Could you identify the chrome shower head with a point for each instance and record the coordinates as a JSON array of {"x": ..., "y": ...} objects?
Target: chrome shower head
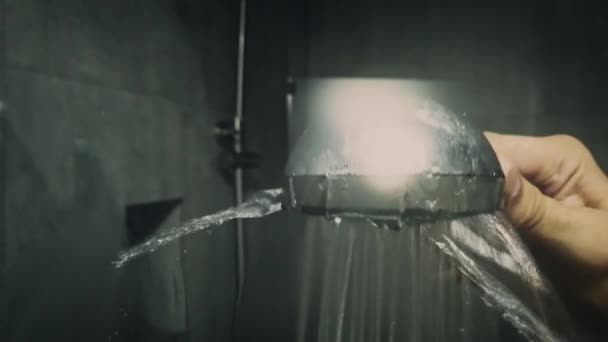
[{"x": 382, "y": 149}]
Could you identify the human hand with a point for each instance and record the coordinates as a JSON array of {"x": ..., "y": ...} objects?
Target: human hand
[{"x": 556, "y": 193}]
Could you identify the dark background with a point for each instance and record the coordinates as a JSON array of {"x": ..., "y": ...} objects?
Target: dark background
[{"x": 111, "y": 103}]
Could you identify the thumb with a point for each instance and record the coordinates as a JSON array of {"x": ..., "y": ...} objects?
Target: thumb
[
  {"x": 579, "y": 233},
  {"x": 526, "y": 205}
]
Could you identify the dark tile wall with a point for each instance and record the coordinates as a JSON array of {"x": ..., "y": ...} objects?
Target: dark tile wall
[
  {"x": 488, "y": 48},
  {"x": 130, "y": 45},
  {"x": 64, "y": 216},
  {"x": 209, "y": 261},
  {"x": 109, "y": 104},
  {"x": 268, "y": 305},
  {"x": 575, "y": 60},
  {"x": 3, "y": 296}
]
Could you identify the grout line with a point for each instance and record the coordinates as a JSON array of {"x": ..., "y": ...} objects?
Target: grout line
[
  {"x": 3, "y": 151},
  {"x": 94, "y": 84}
]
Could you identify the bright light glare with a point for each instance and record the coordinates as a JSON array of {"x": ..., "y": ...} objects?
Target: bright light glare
[
  {"x": 360, "y": 103},
  {"x": 381, "y": 141},
  {"x": 389, "y": 154}
]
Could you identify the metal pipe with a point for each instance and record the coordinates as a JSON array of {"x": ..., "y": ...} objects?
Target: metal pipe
[{"x": 238, "y": 175}]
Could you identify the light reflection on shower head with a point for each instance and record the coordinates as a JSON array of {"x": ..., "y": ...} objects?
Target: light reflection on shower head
[
  {"x": 390, "y": 154},
  {"x": 380, "y": 139},
  {"x": 383, "y": 148}
]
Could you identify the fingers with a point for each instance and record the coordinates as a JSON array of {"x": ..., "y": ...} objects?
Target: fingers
[
  {"x": 560, "y": 166},
  {"x": 538, "y": 159},
  {"x": 579, "y": 233},
  {"x": 526, "y": 206}
]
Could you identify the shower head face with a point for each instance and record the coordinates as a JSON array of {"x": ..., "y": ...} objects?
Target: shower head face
[{"x": 384, "y": 148}]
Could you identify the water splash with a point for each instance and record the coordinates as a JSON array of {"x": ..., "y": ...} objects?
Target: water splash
[
  {"x": 419, "y": 303},
  {"x": 484, "y": 247},
  {"x": 481, "y": 284},
  {"x": 497, "y": 295},
  {"x": 344, "y": 289},
  {"x": 260, "y": 204}
]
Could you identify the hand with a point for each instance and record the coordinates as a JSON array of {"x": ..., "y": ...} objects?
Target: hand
[{"x": 558, "y": 196}]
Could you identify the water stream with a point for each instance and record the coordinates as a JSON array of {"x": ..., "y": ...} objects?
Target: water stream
[
  {"x": 370, "y": 283},
  {"x": 260, "y": 204},
  {"x": 489, "y": 252},
  {"x": 466, "y": 279}
]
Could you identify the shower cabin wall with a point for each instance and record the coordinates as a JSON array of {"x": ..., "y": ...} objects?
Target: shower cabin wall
[
  {"x": 106, "y": 104},
  {"x": 267, "y": 311}
]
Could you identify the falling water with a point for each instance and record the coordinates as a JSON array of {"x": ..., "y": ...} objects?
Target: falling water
[
  {"x": 344, "y": 290},
  {"x": 466, "y": 279},
  {"x": 261, "y": 204},
  {"x": 375, "y": 284},
  {"x": 488, "y": 251}
]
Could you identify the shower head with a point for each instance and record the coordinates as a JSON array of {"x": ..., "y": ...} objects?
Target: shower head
[{"x": 383, "y": 149}]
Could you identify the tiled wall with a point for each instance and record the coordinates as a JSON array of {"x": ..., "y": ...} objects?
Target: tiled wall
[{"x": 107, "y": 104}]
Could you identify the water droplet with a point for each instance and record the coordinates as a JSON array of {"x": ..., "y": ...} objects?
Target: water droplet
[{"x": 431, "y": 204}]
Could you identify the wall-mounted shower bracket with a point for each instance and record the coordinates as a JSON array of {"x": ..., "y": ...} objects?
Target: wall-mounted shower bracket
[{"x": 228, "y": 134}]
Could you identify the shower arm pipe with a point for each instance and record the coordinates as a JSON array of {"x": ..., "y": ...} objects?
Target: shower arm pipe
[{"x": 238, "y": 148}]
